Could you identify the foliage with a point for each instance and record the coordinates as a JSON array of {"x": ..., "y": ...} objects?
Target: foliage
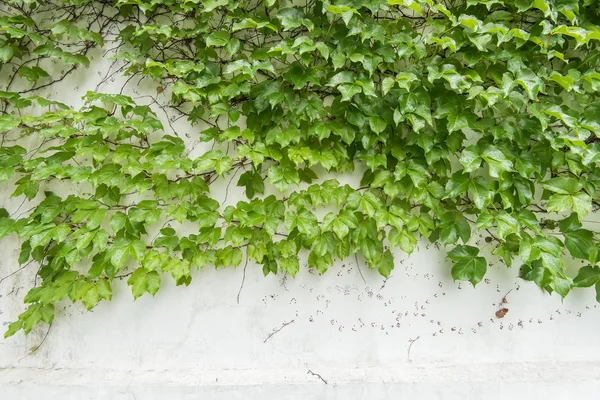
[{"x": 463, "y": 117}]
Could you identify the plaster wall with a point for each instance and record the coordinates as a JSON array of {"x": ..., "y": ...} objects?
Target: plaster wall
[{"x": 347, "y": 335}]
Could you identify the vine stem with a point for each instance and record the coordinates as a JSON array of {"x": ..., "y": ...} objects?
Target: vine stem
[
  {"x": 14, "y": 272},
  {"x": 243, "y": 278}
]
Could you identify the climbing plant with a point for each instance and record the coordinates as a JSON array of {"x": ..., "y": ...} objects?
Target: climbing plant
[{"x": 462, "y": 117}]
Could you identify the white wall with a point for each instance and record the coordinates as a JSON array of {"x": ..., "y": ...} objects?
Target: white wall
[{"x": 199, "y": 343}]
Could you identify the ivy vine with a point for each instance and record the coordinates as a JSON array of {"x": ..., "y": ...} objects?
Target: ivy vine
[{"x": 462, "y": 116}]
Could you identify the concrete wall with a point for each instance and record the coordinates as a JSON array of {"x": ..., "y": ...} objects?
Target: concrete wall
[{"x": 347, "y": 335}]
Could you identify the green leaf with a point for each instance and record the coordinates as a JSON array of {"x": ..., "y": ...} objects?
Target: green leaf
[
  {"x": 91, "y": 298},
  {"x": 496, "y": 160},
  {"x": 457, "y": 185},
  {"x": 470, "y": 158},
  {"x": 587, "y": 276},
  {"x": 142, "y": 281},
  {"x": 407, "y": 241},
  {"x": 290, "y": 265},
  {"x": 304, "y": 220},
  {"x": 229, "y": 256},
  {"x": 370, "y": 203},
  {"x": 340, "y": 224},
  {"x": 506, "y": 225},
  {"x": 348, "y": 91},
  {"x": 582, "y": 204},
  {"x": 180, "y": 270},
  {"x": 218, "y": 39},
  {"x": 283, "y": 177},
  {"x": 210, "y": 5},
  {"x": 387, "y": 84},
  {"x": 480, "y": 193},
  {"x": 290, "y": 18},
  {"x": 253, "y": 183},
  {"x": 123, "y": 249},
  {"x": 467, "y": 265},
  {"x": 570, "y": 224},
  {"x": 530, "y": 82},
  {"x": 47, "y": 313},
  {"x": 560, "y": 202},
  {"x": 223, "y": 165},
  {"x": 377, "y": 124},
  {"x": 579, "y": 242},
  {"x": 6, "y": 53},
  {"x": 324, "y": 244},
  {"x": 386, "y": 264},
  {"x": 13, "y": 328},
  {"x": 8, "y": 122},
  {"x": 104, "y": 290},
  {"x": 562, "y": 185},
  {"x": 118, "y": 221}
]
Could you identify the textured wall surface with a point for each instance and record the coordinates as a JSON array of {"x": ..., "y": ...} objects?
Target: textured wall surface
[
  {"x": 348, "y": 335},
  {"x": 336, "y": 336}
]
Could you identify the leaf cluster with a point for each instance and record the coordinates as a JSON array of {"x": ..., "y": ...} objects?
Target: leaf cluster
[{"x": 462, "y": 117}]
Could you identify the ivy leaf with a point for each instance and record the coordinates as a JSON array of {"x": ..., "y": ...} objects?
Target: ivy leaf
[
  {"x": 320, "y": 263},
  {"x": 582, "y": 204},
  {"x": 210, "y": 5},
  {"x": 223, "y": 165},
  {"x": 8, "y": 122},
  {"x": 123, "y": 249},
  {"x": 470, "y": 158},
  {"x": 579, "y": 242},
  {"x": 253, "y": 183},
  {"x": 562, "y": 185},
  {"x": 340, "y": 224},
  {"x": 6, "y": 53},
  {"x": 370, "y": 203},
  {"x": 587, "y": 276},
  {"x": 457, "y": 185},
  {"x": 377, "y": 124},
  {"x": 570, "y": 224},
  {"x": 180, "y": 270},
  {"x": 304, "y": 220},
  {"x": 532, "y": 84},
  {"x": 480, "y": 193},
  {"x": 506, "y": 225},
  {"x": 374, "y": 160},
  {"x": 118, "y": 221},
  {"x": 142, "y": 281},
  {"x": 229, "y": 256},
  {"x": 283, "y": 177},
  {"x": 387, "y": 84},
  {"x": 386, "y": 264},
  {"x": 104, "y": 290},
  {"x": 290, "y": 18},
  {"x": 290, "y": 265},
  {"x": 407, "y": 241},
  {"x": 496, "y": 160},
  {"x": 348, "y": 91},
  {"x": 91, "y": 298},
  {"x": 467, "y": 265},
  {"x": 218, "y": 39},
  {"x": 560, "y": 202}
]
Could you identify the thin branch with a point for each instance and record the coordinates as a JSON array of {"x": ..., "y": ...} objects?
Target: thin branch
[
  {"x": 317, "y": 375},
  {"x": 243, "y": 278},
  {"x": 412, "y": 341},
  {"x": 13, "y": 273},
  {"x": 359, "y": 270},
  {"x": 278, "y": 330}
]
